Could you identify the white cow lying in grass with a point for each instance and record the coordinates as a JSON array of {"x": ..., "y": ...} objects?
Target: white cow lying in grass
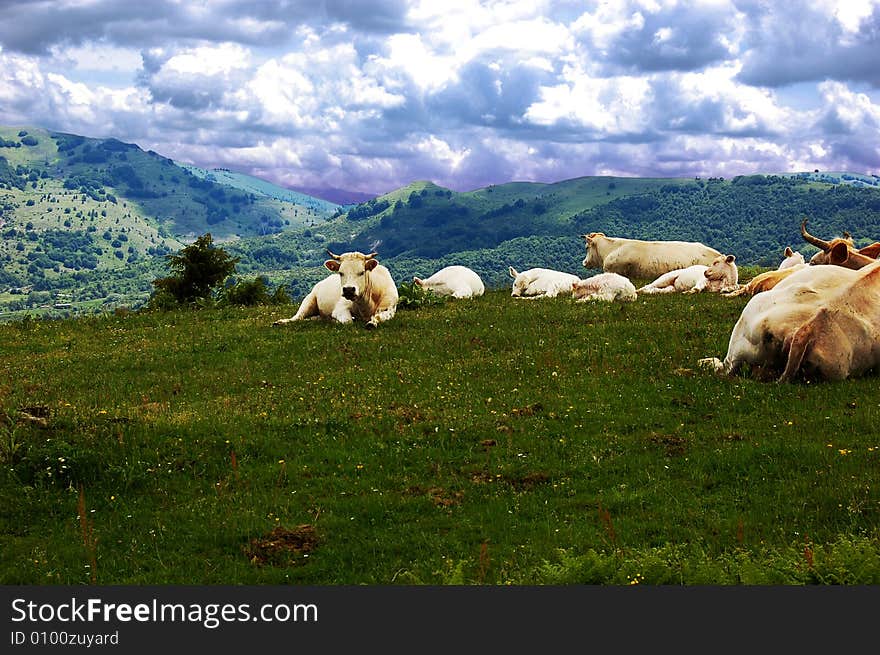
[
  {"x": 455, "y": 281},
  {"x": 360, "y": 288},
  {"x": 604, "y": 286},
  {"x": 722, "y": 275},
  {"x": 540, "y": 283}
]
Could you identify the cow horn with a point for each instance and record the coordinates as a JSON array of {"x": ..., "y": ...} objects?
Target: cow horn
[
  {"x": 336, "y": 257},
  {"x": 371, "y": 255},
  {"x": 809, "y": 238}
]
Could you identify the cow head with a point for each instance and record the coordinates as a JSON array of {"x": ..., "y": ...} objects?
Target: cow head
[
  {"x": 593, "y": 259},
  {"x": 841, "y": 251},
  {"x": 353, "y": 269},
  {"x": 723, "y": 272},
  {"x": 825, "y": 247},
  {"x": 791, "y": 258},
  {"x": 521, "y": 281}
]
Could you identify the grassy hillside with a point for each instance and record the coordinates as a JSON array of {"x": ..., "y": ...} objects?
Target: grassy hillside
[
  {"x": 481, "y": 442},
  {"x": 260, "y": 187},
  {"x": 93, "y": 218}
]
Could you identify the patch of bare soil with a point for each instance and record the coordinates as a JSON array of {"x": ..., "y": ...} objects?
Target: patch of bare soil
[{"x": 282, "y": 545}]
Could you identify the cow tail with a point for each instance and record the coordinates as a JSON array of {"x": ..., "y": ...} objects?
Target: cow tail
[{"x": 797, "y": 346}]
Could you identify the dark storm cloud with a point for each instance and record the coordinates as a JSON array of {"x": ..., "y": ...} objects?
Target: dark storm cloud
[
  {"x": 35, "y": 27},
  {"x": 681, "y": 38},
  {"x": 787, "y": 43},
  {"x": 495, "y": 96}
]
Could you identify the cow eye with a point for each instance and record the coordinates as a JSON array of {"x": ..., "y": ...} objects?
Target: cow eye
[{"x": 361, "y": 273}]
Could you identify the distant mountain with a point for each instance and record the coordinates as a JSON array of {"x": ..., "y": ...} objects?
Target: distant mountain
[
  {"x": 340, "y": 196},
  {"x": 262, "y": 187},
  {"x": 98, "y": 214}
]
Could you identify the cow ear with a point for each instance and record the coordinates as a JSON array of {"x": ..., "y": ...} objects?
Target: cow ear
[
  {"x": 512, "y": 271},
  {"x": 730, "y": 259},
  {"x": 839, "y": 253},
  {"x": 332, "y": 264},
  {"x": 370, "y": 264},
  {"x": 788, "y": 251},
  {"x": 417, "y": 281}
]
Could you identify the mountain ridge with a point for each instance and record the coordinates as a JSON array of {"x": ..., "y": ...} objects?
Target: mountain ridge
[{"x": 94, "y": 218}]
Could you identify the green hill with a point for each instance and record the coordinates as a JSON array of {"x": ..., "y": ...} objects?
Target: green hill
[
  {"x": 421, "y": 227},
  {"x": 93, "y": 218},
  {"x": 260, "y": 187}
]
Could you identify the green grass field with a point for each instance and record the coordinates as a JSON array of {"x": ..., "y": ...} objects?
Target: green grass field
[{"x": 489, "y": 441}]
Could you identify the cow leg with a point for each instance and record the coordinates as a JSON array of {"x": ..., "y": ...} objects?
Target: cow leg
[
  {"x": 342, "y": 311},
  {"x": 379, "y": 317},
  {"x": 698, "y": 287},
  {"x": 713, "y": 363},
  {"x": 663, "y": 284},
  {"x": 308, "y": 307}
]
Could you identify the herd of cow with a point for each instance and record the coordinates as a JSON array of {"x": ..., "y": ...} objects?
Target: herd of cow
[{"x": 819, "y": 319}]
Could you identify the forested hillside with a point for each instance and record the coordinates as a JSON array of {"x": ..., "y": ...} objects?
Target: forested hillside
[
  {"x": 753, "y": 217},
  {"x": 93, "y": 219},
  {"x": 423, "y": 227}
]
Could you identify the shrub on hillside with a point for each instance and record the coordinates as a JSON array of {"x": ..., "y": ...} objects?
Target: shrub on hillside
[
  {"x": 249, "y": 293},
  {"x": 412, "y": 296},
  {"x": 198, "y": 269}
]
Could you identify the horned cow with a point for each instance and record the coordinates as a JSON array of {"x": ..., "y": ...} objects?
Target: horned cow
[
  {"x": 360, "y": 288},
  {"x": 633, "y": 258},
  {"x": 840, "y": 251}
]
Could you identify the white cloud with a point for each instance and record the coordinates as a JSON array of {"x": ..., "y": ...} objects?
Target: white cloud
[{"x": 467, "y": 92}]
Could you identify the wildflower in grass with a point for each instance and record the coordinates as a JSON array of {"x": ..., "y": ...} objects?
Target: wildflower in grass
[{"x": 844, "y": 451}]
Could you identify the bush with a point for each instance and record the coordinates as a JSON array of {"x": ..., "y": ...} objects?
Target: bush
[
  {"x": 412, "y": 296},
  {"x": 198, "y": 269},
  {"x": 247, "y": 293}
]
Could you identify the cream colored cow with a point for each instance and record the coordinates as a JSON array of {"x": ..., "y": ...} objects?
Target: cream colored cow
[
  {"x": 455, "y": 281},
  {"x": 821, "y": 321},
  {"x": 360, "y": 288},
  {"x": 721, "y": 275},
  {"x": 644, "y": 259}
]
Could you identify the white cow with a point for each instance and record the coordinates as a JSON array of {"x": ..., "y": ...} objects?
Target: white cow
[
  {"x": 823, "y": 320},
  {"x": 603, "y": 286},
  {"x": 721, "y": 275},
  {"x": 793, "y": 261},
  {"x": 540, "y": 283},
  {"x": 792, "y": 258},
  {"x": 644, "y": 259},
  {"x": 360, "y": 288},
  {"x": 455, "y": 281}
]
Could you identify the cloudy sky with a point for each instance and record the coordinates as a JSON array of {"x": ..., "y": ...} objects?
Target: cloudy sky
[{"x": 371, "y": 95}]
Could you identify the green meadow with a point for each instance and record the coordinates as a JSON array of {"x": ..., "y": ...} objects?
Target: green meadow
[{"x": 489, "y": 442}]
